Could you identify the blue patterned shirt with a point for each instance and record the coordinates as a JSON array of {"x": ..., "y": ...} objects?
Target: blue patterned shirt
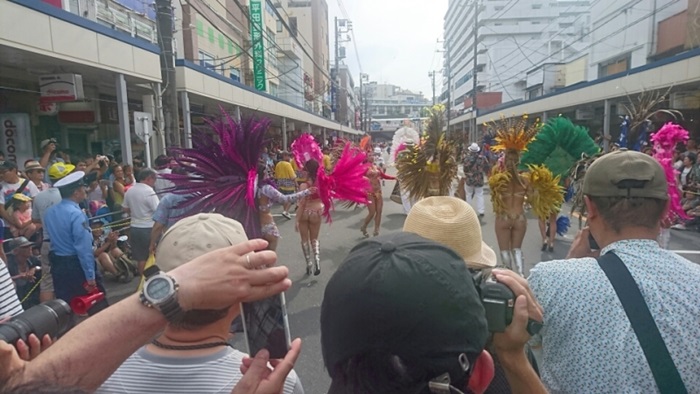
[{"x": 588, "y": 344}]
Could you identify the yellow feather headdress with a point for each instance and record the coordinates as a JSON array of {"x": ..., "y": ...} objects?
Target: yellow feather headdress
[{"x": 513, "y": 134}]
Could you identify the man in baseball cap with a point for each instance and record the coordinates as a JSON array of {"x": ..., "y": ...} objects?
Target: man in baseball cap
[
  {"x": 157, "y": 367},
  {"x": 626, "y": 196},
  {"x": 402, "y": 315}
]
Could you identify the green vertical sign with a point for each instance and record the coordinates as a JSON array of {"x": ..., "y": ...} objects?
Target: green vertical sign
[{"x": 256, "y": 38}]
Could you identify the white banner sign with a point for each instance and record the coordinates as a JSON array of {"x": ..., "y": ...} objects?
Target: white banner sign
[
  {"x": 61, "y": 87},
  {"x": 16, "y": 139}
]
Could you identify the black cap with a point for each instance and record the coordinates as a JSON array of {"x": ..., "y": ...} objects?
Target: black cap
[
  {"x": 408, "y": 296},
  {"x": 8, "y": 165}
]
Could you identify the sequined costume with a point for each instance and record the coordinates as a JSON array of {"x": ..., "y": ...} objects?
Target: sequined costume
[{"x": 511, "y": 188}]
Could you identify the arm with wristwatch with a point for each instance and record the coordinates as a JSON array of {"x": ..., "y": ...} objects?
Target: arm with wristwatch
[{"x": 240, "y": 273}]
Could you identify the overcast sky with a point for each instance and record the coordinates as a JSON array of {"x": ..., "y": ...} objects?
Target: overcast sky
[{"x": 396, "y": 40}]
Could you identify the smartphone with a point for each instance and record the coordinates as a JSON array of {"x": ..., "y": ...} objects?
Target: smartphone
[
  {"x": 592, "y": 243},
  {"x": 266, "y": 326}
]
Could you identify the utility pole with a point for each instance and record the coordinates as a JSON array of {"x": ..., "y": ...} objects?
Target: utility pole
[
  {"x": 475, "y": 110},
  {"x": 449, "y": 86},
  {"x": 362, "y": 102},
  {"x": 336, "y": 78},
  {"x": 164, "y": 22},
  {"x": 432, "y": 75}
]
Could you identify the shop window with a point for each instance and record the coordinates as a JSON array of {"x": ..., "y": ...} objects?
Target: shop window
[
  {"x": 235, "y": 74},
  {"x": 206, "y": 60},
  {"x": 293, "y": 26},
  {"x": 614, "y": 66}
]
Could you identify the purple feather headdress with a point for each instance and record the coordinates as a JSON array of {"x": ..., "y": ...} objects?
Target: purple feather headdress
[{"x": 222, "y": 172}]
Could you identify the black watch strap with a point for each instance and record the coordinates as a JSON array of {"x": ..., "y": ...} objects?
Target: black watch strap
[
  {"x": 171, "y": 310},
  {"x": 150, "y": 271}
]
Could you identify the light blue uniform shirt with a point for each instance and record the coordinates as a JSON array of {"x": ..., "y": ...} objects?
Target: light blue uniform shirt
[
  {"x": 70, "y": 234},
  {"x": 588, "y": 344}
]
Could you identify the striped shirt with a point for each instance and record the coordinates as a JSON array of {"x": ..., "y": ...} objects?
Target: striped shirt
[
  {"x": 145, "y": 372},
  {"x": 9, "y": 303}
]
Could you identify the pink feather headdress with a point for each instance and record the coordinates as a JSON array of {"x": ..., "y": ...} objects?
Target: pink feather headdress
[
  {"x": 346, "y": 182},
  {"x": 306, "y": 148},
  {"x": 665, "y": 141}
]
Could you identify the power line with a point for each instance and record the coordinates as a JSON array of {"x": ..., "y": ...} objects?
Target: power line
[
  {"x": 247, "y": 52},
  {"x": 604, "y": 38}
]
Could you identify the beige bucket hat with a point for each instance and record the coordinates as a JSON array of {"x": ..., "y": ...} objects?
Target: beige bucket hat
[{"x": 453, "y": 223}]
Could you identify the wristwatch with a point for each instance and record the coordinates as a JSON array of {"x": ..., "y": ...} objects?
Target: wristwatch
[{"x": 160, "y": 292}]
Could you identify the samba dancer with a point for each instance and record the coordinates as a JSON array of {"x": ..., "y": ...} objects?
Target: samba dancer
[
  {"x": 375, "y": 174},
  {"x": 510, "y": 189}
]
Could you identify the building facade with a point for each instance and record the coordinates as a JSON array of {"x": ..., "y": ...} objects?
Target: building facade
[
  {"x": 386, "y": 101},
  {"x": 308, "y": 20},
  {"x": 638, "y": 50},
  {"x": 348, "y": 104},
  {"x": 512, "y": 38},
  {"x": 105, "y": 57}
]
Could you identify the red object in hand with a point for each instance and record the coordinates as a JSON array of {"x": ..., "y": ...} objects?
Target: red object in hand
[{"x": 81, "y": 305}]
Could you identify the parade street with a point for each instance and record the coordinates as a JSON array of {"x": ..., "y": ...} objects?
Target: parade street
[{"x": 305, "y": 296}]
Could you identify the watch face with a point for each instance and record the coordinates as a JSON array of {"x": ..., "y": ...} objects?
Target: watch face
[{"x": 158, "y": 289}]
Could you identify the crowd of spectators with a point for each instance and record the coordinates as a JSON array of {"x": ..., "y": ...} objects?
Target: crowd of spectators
[{"x": 403, "y": 313}]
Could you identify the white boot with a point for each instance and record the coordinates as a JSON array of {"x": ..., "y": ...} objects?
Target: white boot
[
  {"x": 316, "y": 250},
  {"x": 519, "y": 263},
  {"x": 306, "y": 248},
  {"x": 506, "y": 259}
]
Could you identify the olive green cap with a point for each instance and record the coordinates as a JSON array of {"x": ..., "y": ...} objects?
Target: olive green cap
[{"x": 626, "y": 173}]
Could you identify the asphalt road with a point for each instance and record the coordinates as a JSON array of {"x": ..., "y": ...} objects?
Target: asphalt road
[{"x": 305, "y": 296}]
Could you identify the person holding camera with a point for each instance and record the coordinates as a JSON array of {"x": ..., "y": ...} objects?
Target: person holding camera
[
  {"x": 621, "y": 313},
  {"x": 402, "y": 314},
  {"x": 222, "y": 278},
  {"x": 198, "y": 341},
  {"x": 452, "y": 222}
]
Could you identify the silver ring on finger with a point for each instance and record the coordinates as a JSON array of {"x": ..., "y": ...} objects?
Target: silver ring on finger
[{"x": 248, "y": 264}]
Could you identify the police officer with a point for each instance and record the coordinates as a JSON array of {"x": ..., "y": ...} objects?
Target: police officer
[{"x": 73, "y": 265}]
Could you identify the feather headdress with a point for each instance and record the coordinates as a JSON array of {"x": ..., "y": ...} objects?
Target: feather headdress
[
  {"x": 429, "y": 168},
  {"x": 512, "y": 134},
  {"x": 558, "y": 146},
  {"x": 346, "y": 182},
  {"x": 401, "y": 137},
  {"x": 306, "y": 148},
  {"x": 665, "y": 141},
  {"x": 222, "y": 171},
  {"x": 544, "y": 195}
]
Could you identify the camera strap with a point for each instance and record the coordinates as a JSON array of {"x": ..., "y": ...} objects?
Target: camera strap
[{"x": 666, "y": 375}]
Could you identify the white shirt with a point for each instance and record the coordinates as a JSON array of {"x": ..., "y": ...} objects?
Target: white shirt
[
  {"x": 9, "y": 189},
  {"x": 142, "y": 202},
  {"x": 588, "y": 344},
  {"x": 41, "y": 203},
  {"x": 163, "y": 184}
]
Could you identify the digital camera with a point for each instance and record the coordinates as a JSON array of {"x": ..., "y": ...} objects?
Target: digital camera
[
  {"x": 52, "y": 317},
  {"x": 498, "y": 301}
]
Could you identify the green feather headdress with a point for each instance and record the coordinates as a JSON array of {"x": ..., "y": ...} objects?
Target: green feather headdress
[{"x": 558, "y": 146}]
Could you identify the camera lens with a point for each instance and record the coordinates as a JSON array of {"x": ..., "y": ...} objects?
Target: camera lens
[{"x": 52, "y": 317}]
